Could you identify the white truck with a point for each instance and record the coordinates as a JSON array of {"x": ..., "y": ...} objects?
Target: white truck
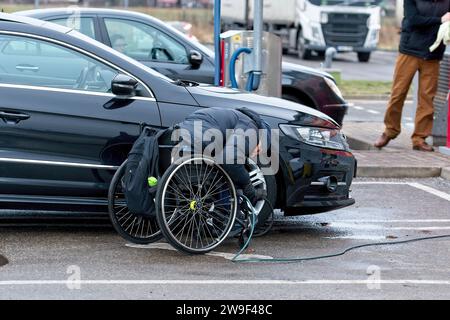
[{"x": 308, "y": 26}]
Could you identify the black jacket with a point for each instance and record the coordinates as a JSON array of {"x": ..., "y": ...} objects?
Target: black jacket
[
  {"x": 222, "y": 120},
  {"x": 420, "y": 27}
]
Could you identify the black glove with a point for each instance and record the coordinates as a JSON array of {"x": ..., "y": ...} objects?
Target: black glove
[{"x": 254, "y": 195}]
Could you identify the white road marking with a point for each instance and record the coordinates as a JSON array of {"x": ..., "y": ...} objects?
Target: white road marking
[
  {"x": 222, "y": 282},
  {"x": 376, "y": 101},
  {"x": 358, "y": 108},
  {"x": 433, "y": 191},
  {"x": 358, "y": 237},
  {"x": 420, "y": 228},
  {"x": 373, "y": 111},
  {"x": 227, "y": 256},
  {"x": 416, "y": 185},
  {"x": 398, "y": 221},
  {"x": 342, "y": 225}
]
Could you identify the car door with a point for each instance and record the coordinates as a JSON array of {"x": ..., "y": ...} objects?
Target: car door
[
  {"x": 86, "y": 23},
  {"x": 62, "y": 133},
  {"x": 155, "y": 48}
]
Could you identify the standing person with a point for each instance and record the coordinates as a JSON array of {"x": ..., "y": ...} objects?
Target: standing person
[{"x": 420, "y": 26}]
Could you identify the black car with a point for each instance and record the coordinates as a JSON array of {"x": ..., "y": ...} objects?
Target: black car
[
  {"x": 66, "y": 124},
  {"x": 161, "y": 47}
]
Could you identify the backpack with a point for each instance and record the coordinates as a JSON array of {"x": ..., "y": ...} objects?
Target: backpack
[{"x": 142, "y": 163}]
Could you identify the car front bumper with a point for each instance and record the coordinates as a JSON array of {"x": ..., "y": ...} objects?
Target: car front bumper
[
  {"x": 305, "y": 168},
  {"x": 322, "y": 48}
]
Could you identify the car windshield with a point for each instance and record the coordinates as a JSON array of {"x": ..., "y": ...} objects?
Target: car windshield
[
  {"x": 124, "y": 57},
  {"x": 355, "y": 3},
  {"x": 196, "y": 44}
]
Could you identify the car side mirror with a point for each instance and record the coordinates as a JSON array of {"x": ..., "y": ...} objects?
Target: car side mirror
[
  {"x": 195, "y": 58},
  {"x": 124, "y": 86}
]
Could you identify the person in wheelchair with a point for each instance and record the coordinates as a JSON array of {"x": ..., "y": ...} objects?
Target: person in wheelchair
[{"x": 236, "y": 128}]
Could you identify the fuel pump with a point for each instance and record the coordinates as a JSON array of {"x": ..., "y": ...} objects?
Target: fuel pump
[{"x": 250, "y": 60}]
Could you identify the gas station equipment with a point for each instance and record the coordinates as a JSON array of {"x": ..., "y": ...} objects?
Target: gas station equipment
[
  {"x": 238, "y": 73},
  {"x": 441, "y": 127}
]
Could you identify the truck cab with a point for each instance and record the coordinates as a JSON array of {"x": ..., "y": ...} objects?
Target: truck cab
[
  {"x": 308, "y": 26},
  {"x": 347, "y": 25}
]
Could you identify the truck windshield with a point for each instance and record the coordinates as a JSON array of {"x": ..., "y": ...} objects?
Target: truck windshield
[{"x": 355, "y": 3}]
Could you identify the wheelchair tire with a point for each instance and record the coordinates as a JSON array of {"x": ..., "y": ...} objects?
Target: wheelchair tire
[
  {"x": 135, "y": 229},
  {"x": 196, "y": 205}
]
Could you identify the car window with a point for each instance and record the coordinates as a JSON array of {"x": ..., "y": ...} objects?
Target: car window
[
  {"x": 143, "y": 42},
  {"x": 84, "y": 25},
  {"x": 28, "y": 61}
]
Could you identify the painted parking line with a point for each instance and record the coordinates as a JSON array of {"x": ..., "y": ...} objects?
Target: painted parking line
[
  {"x": 358, "y": 226},
  {"x": 367, "y": 282},
  {"x": 416, "y": 185},
  {"x": 227, "y": 256},
  {"x": 398, "y": 221}
]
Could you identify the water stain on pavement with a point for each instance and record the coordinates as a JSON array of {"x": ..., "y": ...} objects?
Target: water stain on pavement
[{"x": 3, "y": 261}]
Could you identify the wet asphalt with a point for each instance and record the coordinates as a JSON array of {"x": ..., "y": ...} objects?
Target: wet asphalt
[{"x": 47, "y": 262}]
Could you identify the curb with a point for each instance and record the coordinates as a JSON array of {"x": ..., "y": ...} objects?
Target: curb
[
  {"x": 446, "y": 173},
  {"x": 401, "y": 172},
  {"x": 366, "y": 97},
  {"x": 360, "y": 145}
]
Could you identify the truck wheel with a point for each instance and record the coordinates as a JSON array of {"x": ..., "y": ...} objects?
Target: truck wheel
[
  {"x": 363, "y": 56},
  {"x": 302, "y": 52}
]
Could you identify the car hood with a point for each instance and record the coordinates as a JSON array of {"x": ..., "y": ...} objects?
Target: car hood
[
  {"x": 281, "y": 111},
  {"x": 287, "y": 66}
]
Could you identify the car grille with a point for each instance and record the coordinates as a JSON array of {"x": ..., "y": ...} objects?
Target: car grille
[{"x": 345, "y": 29}]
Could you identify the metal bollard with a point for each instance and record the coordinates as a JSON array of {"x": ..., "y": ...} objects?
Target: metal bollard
[{"x": 329, "y": 56}]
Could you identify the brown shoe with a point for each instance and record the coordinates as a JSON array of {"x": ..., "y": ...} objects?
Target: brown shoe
[
  {"x": 423, "y": 147},
  {"x": 382, "y": 141}
]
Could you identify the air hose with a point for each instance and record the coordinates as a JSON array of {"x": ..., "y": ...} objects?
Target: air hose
[
  {"x": 253, "y": 79},
  {"x": 321, "y": 257}
]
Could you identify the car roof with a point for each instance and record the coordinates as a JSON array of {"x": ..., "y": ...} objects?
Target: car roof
[
  {"x": 72, "y": 10},
  {"x": 9, "y": 17}
]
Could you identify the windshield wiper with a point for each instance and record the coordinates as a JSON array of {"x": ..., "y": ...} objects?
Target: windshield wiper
[{"x": 186, "y": 83}]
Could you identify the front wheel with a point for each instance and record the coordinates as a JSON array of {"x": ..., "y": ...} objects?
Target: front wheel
[{"x": 267, "y": 183}]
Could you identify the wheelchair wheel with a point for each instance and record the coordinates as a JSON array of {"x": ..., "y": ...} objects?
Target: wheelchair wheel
[
  {"x": 133, "y": 228},
  {"x": 196, "y": 205}
]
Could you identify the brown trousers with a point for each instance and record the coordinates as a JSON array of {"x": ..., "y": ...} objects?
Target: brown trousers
[{"x": 405, "y": 69}]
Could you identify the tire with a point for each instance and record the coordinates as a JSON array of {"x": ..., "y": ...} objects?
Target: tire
[
  {"x": 146, "y": 231},
  {"x": 302, "y": 52},
  {"x": 179, "y": 186},
  {"x": 270, "y": 185},
  {"x": 364, "y": 56}
]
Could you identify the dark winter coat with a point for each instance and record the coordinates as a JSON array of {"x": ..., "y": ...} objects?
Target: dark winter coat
[
  {"x": 420, "y": 27},
  {"x": 223, "y": 119}
]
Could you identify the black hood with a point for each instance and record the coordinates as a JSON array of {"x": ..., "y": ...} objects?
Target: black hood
[{"x": 275, "y": 109}]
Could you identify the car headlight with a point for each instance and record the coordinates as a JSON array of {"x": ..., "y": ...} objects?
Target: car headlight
[
  {"x": 334, "y": 87},
  {"x": 320, "y": 137}
]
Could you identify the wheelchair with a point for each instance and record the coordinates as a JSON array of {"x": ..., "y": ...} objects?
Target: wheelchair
[{"x": 197, "y": 205}]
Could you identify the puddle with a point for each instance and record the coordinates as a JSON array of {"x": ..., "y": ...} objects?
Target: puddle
[{"x": 3, "y": 261}]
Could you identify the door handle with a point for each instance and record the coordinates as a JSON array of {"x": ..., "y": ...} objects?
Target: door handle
[
  {"x": 11, "y": 117},
  {"x": 25, "y": 67}
]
